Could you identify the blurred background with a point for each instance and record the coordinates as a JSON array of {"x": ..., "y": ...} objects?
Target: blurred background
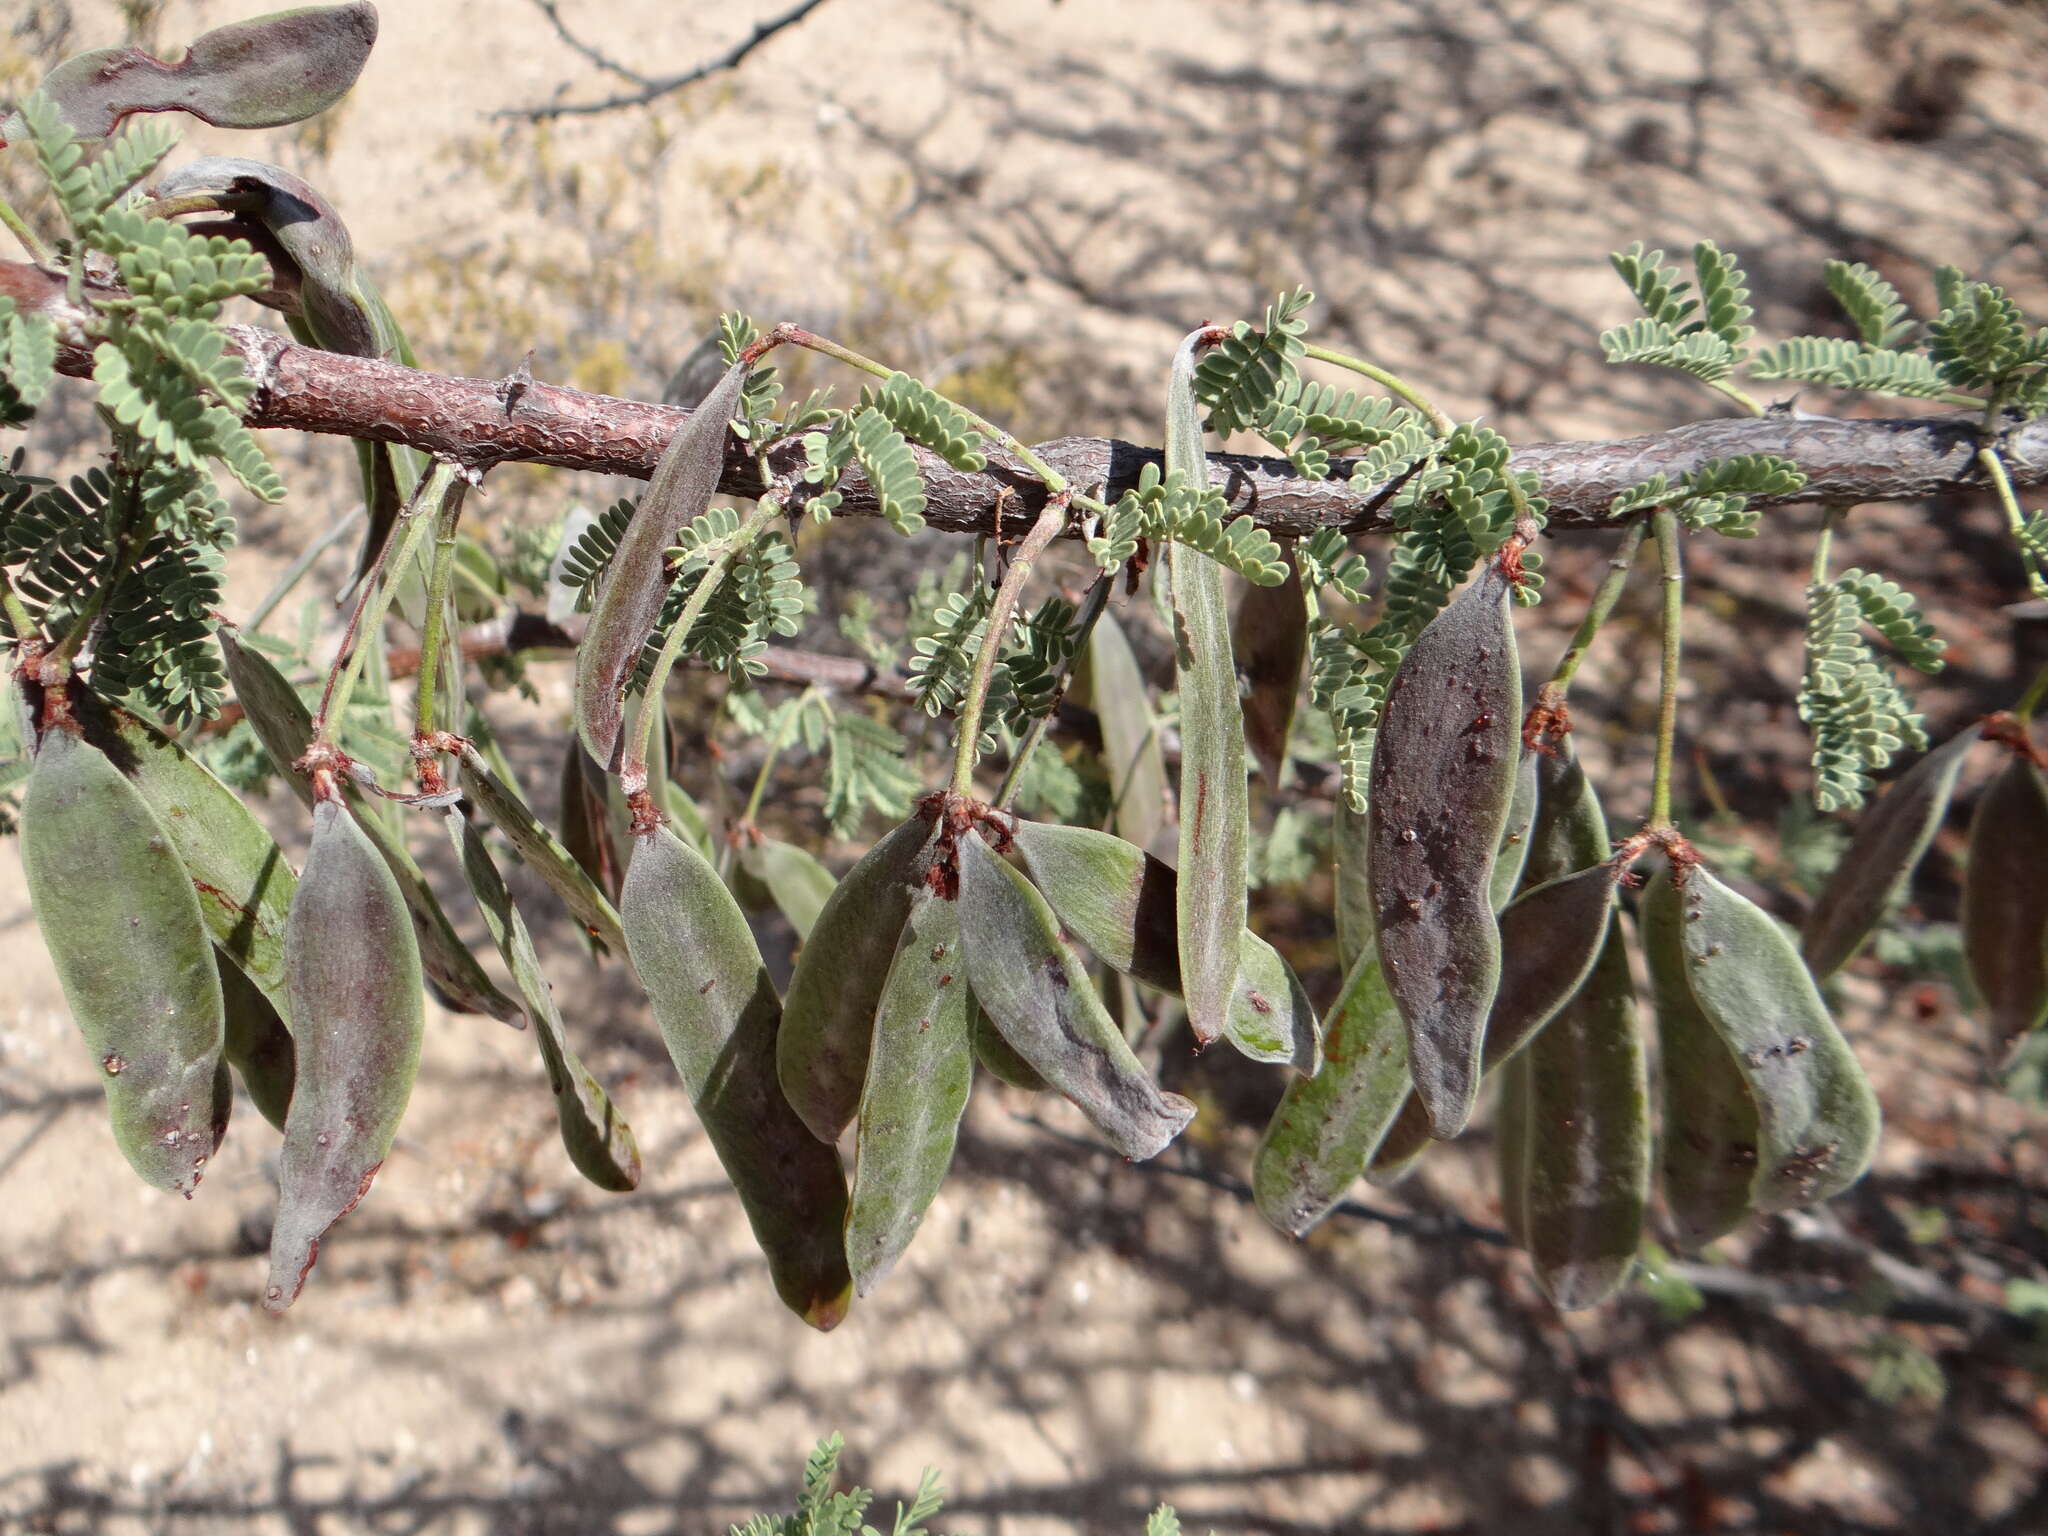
[{"x": 1027, "y": 203}]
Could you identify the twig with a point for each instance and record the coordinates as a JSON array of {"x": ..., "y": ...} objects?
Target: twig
[{"x": 603, "y": 61}]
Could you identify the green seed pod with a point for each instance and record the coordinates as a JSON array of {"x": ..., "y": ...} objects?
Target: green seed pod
[
  {"x": 1349, "y": 831},
  {"x": 1131, "y": 748},
  {"x": 1121, "y": 902},
  {"x": 595, "y": 1134},
  {"x": 353, "y": 972},
  {"x": 1586, "y": 1139},
  {"x": 821, "y": 1054},
  {"x": 123, "y": 927},
  {"x": 1443, "y": 779},
  {"x": 543, "y": 854},
  {"x": 1038, "y": 994},
  {"x": 1707, "y": 1162},
  {"x": 2005, "y": 905},
  {"x": 1270, "y": 641},
  {"x": 1324, "y": 1132},
  {"x": 1511, "y": 1146},
  {"x": 285, "y": 727},
  {"x": 1570, "y": 830},
  {"x": 586, "y": 826},
  {"x": 995, "y": 1055},
  {"x": 718, "y": 1014},
  {"x": 1214, "y": 798},
  {"x": 1549, "y": 939},
  {"x": 795, "y": 881},
  {"x": 630, "y": 593},
  {"x": 257, "y": 1044},
  {"x": 1513, "y": 851},
  {"x": 1879, "y": 864},
  {"x": 919, "y": 1073}
]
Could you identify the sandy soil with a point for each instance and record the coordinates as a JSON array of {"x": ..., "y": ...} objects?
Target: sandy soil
[{"x": 1030, "y": 201}]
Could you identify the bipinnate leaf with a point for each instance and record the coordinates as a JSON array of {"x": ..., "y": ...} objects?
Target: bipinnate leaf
[
  {"x": 1131, "y": 749},
  {"x": 919, "y": 1072},
  {"x": 353, "y": 973},
  {"x": 594, "y": 1133},
  {"x": 260, "y": 73},
  {"x": 256, "y": 1043},
  {"x": 795, "y": 881},
  {"x": 1037, "y": 993},
  {"x": 718, "y": 1014},
  {"x": 1443, "y": 781},
  {"x": 539, "y": 848},
  {"x": 630, "y": 593},
  {"x": 828, "y": 1020},
  {"x": 2005, "y": 905},
  {"x": 1874, "y": 872},
  {"x": 1270, "y": 641},
  {"x": 1214, "y": 798},
  {"x": 122, "y": 925}
]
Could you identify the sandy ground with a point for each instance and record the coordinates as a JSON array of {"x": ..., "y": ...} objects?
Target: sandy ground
[{"x": 1029, "y": 201}]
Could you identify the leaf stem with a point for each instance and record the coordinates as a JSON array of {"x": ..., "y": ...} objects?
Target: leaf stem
[
  {"x": 17, "y": 613},
  {"x": 1665, "y": 526},
  {"x": 1747, "y": 401},
  {"x": 1439, "y": 423},
  {"x": 778, "y": 742},
  {"x": 1051, "y": 519},
  {"x": 439, "y": 578},
  {"x": 2033, "y": 698},
  {"x": 1605, "y": 596},
  {"x": 1084, "y": 626},
  {"x": 1824, "y": 543},
  {"x": 18, "y": 227}
]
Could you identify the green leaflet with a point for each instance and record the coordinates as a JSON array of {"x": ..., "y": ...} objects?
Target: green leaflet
[
  {"x": 1511, "y": 1147},
  {"x": 256, "y": 1043},
  {"x": 122, "y": 925},
  {"x": 538, "y": 847},
  {"x": 1877, "y": 867},
  {"x": 795, "y": 881},
  {"x": 1817, "y": 1119},
  {"x": 631, "y": 591},
  {"x": 997, "y": 1059},
  {"x": 2005, "y": 905},
  {"x": 1348, "y": 831},
  {"x": 1121, "y": 902},
  {"x": 1130, "y": 733},
  {"x": 1214, "y": 798},
  {"x": 1324, "y": 1132},
  {"x": 1707, "y": 1162},
  {"x": 821, "y": 1054},
  {"x": 1270, "y": 640},
  {"x": 285, "y": 727},
  {"x": 353, "y": 972},
  {"x": 595, "y": 1134},
  {"x": 1444, "y": 766},
  {"x": 919, "y": 1072},
  {"x": 718, "y": 1014},
  {"x": 1587, "y": 1138},
  {"x": 1038, "y": 994}
]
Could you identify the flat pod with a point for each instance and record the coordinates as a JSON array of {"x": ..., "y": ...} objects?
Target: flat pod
[
  {"x": 630, "y": 593},
  {"x": 1889, "y": 844},
  {"x": 256, "y": 1043},
  {"x": 919, "y": 1073},
  {"x": 353, "y": 973},
  {"x": 1270, "y": 641},
  {"x": 1708, "y": 1157},
  {"x": 718, "y": 1015},
  {"x": 795, "y": 881},
  {"x": 1327, "y": 1126},
  {"x": 594, "y": 1133},
  {"x": 1511, "y": 856},
  {"x": 996, "y": 1057},
  {"x": 828, "y": 1020},
  {"x": 1443, "y": 779},
  {"x": 1038, "y": 994},
  {"x": 122, "y": 925},
  {"x": 1122, "y": 904},
  {"x": 586, "y": 828},
  {"x": 1587, "y": 1138},
  {"x": 542, "y": 852},
  {"x": 2005, "y": 905},
  {"x": 1131, "y": 748}
]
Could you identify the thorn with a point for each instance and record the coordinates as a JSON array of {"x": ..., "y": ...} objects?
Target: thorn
[{"x": 513, "y": 387}]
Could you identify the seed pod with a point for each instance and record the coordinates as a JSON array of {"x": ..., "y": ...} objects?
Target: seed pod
[
  {"x": 1570, "y": 829},
  {"x": 1121, "y": 902},
  {"x": 586, "y": 828},
  {"x": 1131, "y": 748},
  {"x": 630, "y": 593},
  {"x": 1511, "y": 1146},
  {"x": 1443, "y": 779},
  {"x": 1587, "y": 1138},
  {"x": 1270, "y": 640},
  {"x": 995, "y": 1055},
  {"x": 1349, "y": 830},
  {"x": 595, "y": 1134},
  {"x": 1214, "y": 798},
  {"x": 543, "y": 854},
  {"x": 1707, "y": 1162},
  {"x": 919, "y": 1073},
  {"x": 123, "y": 928},
  {"x": 2005, "y": 905},
  {"x": 1038, "y": 995},
  {"x": 795, "y": 881},
  {"x": 1512, "y": 854},
  {"x": 821, "y": 1054},
  {"x": 256, "y": 1043},
  {"x": 353, "y": 973},
  {"x": 718, "y": 1014},
  {"x": 1549, "y": 939},
  {"x": 1875, "y": 871},
  {"x": 1325, "y": 1130},
  {"x": 285, "y": 727}
]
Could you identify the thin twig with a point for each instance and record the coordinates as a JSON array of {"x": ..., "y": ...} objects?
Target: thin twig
[{"x": 603, "y": 61}]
